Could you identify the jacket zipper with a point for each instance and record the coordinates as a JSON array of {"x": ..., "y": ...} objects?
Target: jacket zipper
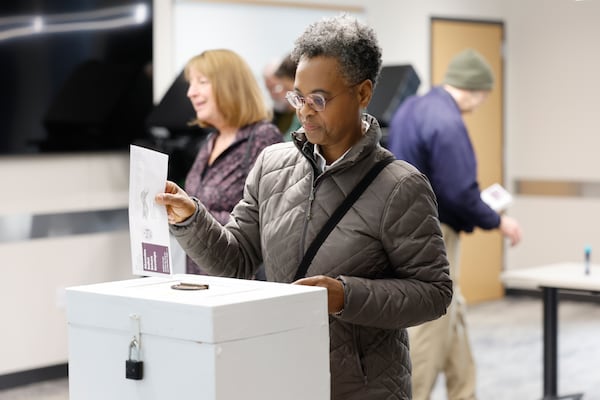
[{"x": 311, "y": 197}]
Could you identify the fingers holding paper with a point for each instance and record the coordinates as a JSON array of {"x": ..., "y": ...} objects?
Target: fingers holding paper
[{"x": 179, "y": 205}]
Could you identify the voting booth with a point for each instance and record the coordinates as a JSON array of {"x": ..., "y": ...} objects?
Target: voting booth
[{"x": 198, "y": 337}]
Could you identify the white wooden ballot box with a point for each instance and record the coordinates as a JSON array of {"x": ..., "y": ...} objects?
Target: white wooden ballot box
[{"x": 235, "y": 339}]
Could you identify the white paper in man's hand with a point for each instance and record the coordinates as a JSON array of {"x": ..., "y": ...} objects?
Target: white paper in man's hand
[
  {"x": 496, "y": 197},
  {"x": 148, "y": 223}
]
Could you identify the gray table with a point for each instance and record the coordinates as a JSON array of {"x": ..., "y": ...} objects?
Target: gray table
[{"x": 550, "y": 279}]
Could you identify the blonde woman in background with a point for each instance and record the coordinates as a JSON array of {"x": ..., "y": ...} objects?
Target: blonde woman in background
[{"x": 226, "y": 97}]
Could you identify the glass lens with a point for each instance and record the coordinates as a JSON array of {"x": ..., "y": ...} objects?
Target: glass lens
[
  {"x": 317, "y": 101},
  {"x": 294, "y": 99}
]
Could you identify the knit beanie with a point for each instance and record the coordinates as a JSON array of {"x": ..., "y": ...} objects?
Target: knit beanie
[{"x": 470, "y": 71}]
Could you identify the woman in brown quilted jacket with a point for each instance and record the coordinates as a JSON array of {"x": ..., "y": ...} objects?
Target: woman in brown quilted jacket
[{"x": 384, "y": 264}]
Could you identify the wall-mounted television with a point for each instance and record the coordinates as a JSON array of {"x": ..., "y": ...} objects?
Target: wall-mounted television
[{"x": 75, "y": 75}]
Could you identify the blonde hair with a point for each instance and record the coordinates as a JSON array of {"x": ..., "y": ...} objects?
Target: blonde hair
[{"x": 236, "y": 91}]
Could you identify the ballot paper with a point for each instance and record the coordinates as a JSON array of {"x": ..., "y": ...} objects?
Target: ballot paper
[
  {"x": 496, "y": 197},
  {"x": 148, "y": 223}
]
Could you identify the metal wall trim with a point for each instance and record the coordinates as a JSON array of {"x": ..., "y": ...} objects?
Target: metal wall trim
[
  {"x": 557, "y": 188},
  {"x": 23, "y": 227}
]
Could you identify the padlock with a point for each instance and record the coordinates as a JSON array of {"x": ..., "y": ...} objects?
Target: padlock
[{"x": 134, "y": 369}]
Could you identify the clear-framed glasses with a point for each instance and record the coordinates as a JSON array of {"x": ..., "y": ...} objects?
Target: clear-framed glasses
[{"x": 316, "y": 101}]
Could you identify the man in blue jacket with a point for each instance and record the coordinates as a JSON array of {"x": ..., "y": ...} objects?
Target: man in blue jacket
[{"x": 429, "y": 132}]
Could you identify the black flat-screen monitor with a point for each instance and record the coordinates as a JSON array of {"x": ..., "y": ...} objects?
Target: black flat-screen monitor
[
  {"x": 74, "y": 75},
  {"x": 396, "y": 83}
]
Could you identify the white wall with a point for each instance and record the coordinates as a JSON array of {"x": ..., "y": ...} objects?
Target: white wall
[
  {"x": 553, "y": 103},
  {"x": 553, "y": 124},
  {"x": 35, "y": 272},
  {"x": 403, "y": 27},
  {"x": 57, "y": 183},
  {"x": 257, "y": 31}
]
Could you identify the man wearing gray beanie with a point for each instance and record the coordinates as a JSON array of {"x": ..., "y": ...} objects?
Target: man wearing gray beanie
[{"x": 429, "y": 132}]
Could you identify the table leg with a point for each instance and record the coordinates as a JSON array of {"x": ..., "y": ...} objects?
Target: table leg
[
  {"x": 550, "y": 342},
  {"x": 551, "y": 347}
]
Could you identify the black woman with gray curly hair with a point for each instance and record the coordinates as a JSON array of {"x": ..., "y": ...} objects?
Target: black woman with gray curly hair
[{"x": 383, "y": 261}]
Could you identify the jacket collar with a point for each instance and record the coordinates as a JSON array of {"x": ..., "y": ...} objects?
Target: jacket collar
[{"x": 363, "y": 147}]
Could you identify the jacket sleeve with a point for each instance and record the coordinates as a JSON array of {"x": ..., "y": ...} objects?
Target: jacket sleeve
[
  {"x": 232, "y": 250},
  {"x": 419, "y": 287},
  {"x": 454, "y": 176}
]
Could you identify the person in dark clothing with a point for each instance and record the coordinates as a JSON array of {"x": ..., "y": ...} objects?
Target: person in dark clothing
[
  {"x": 279, "y": 79},
  {"x": 429, "y": 132}
]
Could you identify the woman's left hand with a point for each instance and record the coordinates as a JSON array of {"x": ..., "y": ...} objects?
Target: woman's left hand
[{"x": 335, "y": 290}]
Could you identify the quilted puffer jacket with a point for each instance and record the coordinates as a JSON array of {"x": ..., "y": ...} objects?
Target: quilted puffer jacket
[{"x": 388, "y": 251}]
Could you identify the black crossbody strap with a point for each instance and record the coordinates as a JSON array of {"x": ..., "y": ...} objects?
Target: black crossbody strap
[{"x": 337, "y": 216}]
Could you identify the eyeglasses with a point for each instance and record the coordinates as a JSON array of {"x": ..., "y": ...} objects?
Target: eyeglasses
[{"x": 316, "y": 101}]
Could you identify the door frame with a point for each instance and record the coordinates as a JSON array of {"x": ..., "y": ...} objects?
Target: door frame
[{"x": 470, "y": 283}]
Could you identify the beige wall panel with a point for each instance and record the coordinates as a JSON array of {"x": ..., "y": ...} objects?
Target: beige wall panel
[{"x": 556, "y": 229}]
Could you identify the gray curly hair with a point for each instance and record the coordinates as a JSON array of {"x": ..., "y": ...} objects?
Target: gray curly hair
[{"x": 343, "y": 37}]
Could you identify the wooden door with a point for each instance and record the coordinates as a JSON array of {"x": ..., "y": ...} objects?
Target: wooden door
[{"x": 482, "y": 253}]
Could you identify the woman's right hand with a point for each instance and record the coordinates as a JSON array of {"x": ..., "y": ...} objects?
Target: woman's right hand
[{"x": 179, "y": 205}]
